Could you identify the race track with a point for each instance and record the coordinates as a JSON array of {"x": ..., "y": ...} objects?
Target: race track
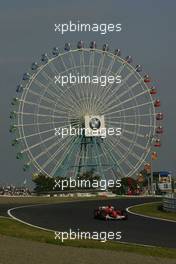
[{"x": 79, "y": 215}]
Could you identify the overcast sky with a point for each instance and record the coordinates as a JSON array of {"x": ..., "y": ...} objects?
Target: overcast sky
[{"x": 148, "y": 34}]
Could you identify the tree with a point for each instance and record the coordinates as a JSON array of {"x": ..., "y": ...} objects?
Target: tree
[
  {"x": 127, "y": 183},
  {"x": 89, "y": 177},
  {"x": 43, "y": 183}
]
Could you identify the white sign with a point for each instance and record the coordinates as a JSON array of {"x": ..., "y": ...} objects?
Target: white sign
[{"x": 94, "y": 126}]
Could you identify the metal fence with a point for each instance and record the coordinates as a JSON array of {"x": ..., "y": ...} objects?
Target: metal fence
[{"x": 169, "y": 204}]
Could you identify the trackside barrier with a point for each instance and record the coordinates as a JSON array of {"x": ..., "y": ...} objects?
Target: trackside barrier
[{"x": 169, "y": 204}]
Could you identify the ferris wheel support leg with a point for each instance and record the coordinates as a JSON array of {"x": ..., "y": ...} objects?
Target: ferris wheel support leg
[
  {"x": 66, "y": 164},
  {"x": 99, "y": 160},
  {"x": 151, "y": 182}
]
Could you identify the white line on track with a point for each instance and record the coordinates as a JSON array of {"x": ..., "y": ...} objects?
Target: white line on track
[
  {"x": 128, "y": 209},
  {"x": 26, "y": 223},
  {"x": 51, "y": 230}
]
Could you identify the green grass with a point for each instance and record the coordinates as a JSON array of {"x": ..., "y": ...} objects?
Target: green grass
[
  {"x": 43, "y": 200},
  {"x": 10, "y": 227},
  {"x": 153, "y": 209}
]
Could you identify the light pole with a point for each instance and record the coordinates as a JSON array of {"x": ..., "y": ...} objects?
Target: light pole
[
  {"x": 151, "y": 175},
  {"x": 154, "y": 156}
]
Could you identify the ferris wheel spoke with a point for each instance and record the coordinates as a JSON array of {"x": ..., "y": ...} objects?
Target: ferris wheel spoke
[
  {"x": 116, "y": 89},
  {"x": 100, "y": 91},
  {"x": 77, "y": 159},
  {"x": 112, "y": 158},
  {"x": 58, "y": 89},
  {"x": 40, "y": 132},
  {"x": 37, "y": 144},
  {"x": 70, "y": 164},
  {"x": 104, "y": 93},
  {"x": 112, "y": 100},
  {"x": 51, "y": 157},
  {"x": 131, "y": 124},
  {"x": 129, "y": 108},
  {"x": 66, "y": 149},
  {"x": 75, "y": 98},
  {"x": 118, "y": 86},
  {"x": 110, "y": 66},
  {"x": 43, "y": 107},
  {"x": 139, "y": 135},
  {"x": 134, "y": 133},
  {"x": 83, "y": 73},
  {"x": 89, "y": 90},
  {"x": 78, "y": 93},
  {"x": 64, "y": 154},
  {"x": 45, "y": 149},
  {"x": 120, "y": 155},
  {"x": 100, "y": 65},
  {"x": 46, "y": 123},
  {"x": 36, "y": 121},
  {"x": 64, "y": 121},
  {"x": 92, "y": 87},
  {"x": 110, "y": 147},
  {"x": 130, "y": 149},
  {"x": 133, "y": 142},
  {"x": 62, "y": 60},
  {"x": 38, "y": 128},
  {"x": 96, "y": 86},
  {"x": 77, "y": 90},
  {"x": 42, "y": 115},
  {"x": 136, "y": 115},
  {"x": 139, "y": 82},
  {"x": 124, "y": 80},
  {"x": 128, "y": 100},
  {"x": 46, "y": 99},
  {"x": 61, "y": 143},
  {"x": 99, "y": 73},
  {"x": 55, "y": 71},
  {"x": 53, "y": 94},
  {"x": 129, "y": 164},
  {"x": 121, "y": 68}
]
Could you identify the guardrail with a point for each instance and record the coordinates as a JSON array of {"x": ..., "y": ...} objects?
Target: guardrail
[{"x": 169, "y": 204}]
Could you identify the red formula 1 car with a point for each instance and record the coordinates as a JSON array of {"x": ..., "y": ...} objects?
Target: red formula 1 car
[{"x": 109, "y": 212}]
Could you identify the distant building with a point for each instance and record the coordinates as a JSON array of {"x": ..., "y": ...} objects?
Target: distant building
[
  {"x": 163, "y": 180},
  {"x": 11, "y": 190}
]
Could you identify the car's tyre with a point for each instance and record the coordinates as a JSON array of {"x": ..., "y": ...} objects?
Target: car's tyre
[
  {"x": 126, "y": 216},
  {"x": 96, "y": 214}
]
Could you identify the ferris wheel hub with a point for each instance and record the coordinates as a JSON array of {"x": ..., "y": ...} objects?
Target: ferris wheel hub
[{"x": 94, "y": 123}]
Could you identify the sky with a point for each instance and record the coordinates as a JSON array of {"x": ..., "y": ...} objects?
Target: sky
[{"x": 27, "y": 31}]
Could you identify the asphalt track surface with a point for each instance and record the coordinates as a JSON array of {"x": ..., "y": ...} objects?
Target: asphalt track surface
[{"x": 79, "y": 215}]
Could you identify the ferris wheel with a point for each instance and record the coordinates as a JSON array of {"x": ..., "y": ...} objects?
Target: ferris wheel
[{"x": 43, "y": 105}]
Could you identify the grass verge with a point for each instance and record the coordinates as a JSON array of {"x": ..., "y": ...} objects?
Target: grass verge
[
  {"x": 44, "y": 200},
  {"x": 153, "y": 209},
  {"x": 10, "y": 227}
]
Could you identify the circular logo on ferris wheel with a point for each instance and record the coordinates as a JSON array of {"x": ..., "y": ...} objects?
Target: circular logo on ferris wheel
[{"x": 95, "y": 123}]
